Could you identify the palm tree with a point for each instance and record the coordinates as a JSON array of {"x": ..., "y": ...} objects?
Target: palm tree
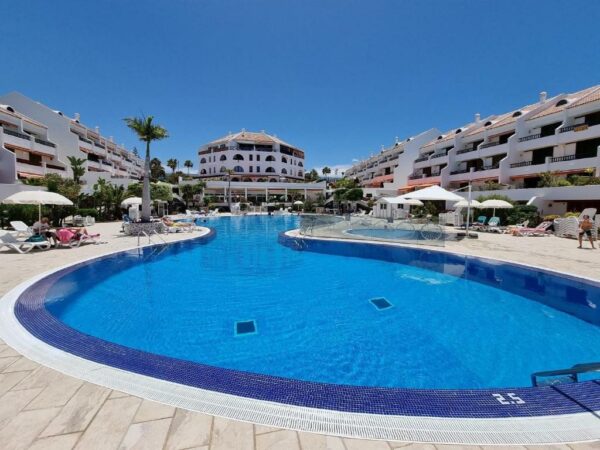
[
  {"x": 189, "y": 164},
  {"x": 326, "y": 171},
  {"x": 77, "y": 167},
  {"x": 157, "y": 172},
  {"x": 146, "y": 132},
  {"x": 172, "y": 163}
]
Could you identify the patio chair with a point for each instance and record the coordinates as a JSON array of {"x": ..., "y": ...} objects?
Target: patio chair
[
  {"x": 493, "y": 225},
  {"x": 21, "y": 228},
  {"x": 11, "y": 242}
]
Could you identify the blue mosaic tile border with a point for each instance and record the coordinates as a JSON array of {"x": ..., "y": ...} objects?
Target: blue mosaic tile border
[{"x": 31, "y": 312}]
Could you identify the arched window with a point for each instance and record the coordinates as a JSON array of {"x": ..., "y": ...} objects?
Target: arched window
[
  {"x": 270, "y": 158},
  {"x": 223, "y": 169},
  {"x": 564, "y": 101},
  {"x": 517, "y": 113},
  {"x": 246, "y": 179},
  {"x": 203, "y": 161},
  {"x": 273, "y": 180},
  {"x": 203, "y": 172},
  {"x": 238, "y": 157},
  {"x": 261, "y": 180},
  {"x": 284, "y": 171},
  {"x": 223, "y": 158},
  {"x": 235, "y": 179},
  {"x": 299, "y": 173},
  {"x": 238, "y": 169},
  {"x": 283, "y": 159},
  {"x": 440, "y": 136},
  {"x": 458, "y": 131},
  {"x": 270, "y": 170},
  {"x": 300, "y": 164},
  {"x": 488, "y": 123}
]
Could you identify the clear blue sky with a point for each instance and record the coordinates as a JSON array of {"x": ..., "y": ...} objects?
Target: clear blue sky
[{"x": 337, "y": 78}]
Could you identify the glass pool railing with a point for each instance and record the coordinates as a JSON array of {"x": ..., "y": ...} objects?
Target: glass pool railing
[{"x": 411, "y": 231}]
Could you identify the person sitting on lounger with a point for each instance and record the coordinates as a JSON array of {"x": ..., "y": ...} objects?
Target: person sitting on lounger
[
  {"x": 169, "y": 223},
  {"x": 585, "y": 227},
  {"x": 42, "y": 228}
]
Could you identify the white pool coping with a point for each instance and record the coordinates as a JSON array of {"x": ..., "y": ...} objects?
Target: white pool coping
[{"x": 568, "y": 428}]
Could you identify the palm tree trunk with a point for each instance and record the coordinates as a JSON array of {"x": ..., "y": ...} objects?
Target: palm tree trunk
[{"x": 146, "y": 205}]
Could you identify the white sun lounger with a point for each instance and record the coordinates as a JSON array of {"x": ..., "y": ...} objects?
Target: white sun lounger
[
  {"x": 11, "y": 242},
  {"x": 21, "y": 228}
]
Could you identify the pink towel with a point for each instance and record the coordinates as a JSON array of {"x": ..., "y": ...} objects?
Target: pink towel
[{"x": 65, "y": 236}]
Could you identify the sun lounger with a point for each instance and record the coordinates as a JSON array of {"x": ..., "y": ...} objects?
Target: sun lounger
[
  {"x": 67, "y": 238},
  {"x": 493, "y": 225},
  {"x": 21, "y": 228},
  {"x": 11, "y": 242},
  {"x": 541, "y": 230}
]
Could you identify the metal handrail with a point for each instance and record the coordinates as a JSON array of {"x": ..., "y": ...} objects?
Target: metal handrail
[{"x": 572, "y": 373}]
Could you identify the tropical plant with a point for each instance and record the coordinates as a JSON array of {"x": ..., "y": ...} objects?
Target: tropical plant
[
  {"x": 77, "y": 167},
  {"x": 147, "y": 132},
  {"x": 326, "y": 170},
  {"x": 187, "y": 193},
  {"x": 157, "y": 171},
  {"x": 158, "y": 191},
  {"x": 188, "y": 164},
  {"x": 172, "y": 164},
  {"x": 548, "y": 179}
]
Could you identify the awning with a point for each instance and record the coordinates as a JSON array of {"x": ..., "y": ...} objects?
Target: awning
[
  {"x": 380, "y": 179},
  {"x": 30, "y": 175}
]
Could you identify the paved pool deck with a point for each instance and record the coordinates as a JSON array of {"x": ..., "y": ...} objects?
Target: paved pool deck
[{"x": 41, "y": 408}]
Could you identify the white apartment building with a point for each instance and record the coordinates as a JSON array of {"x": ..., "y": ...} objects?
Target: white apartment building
[
  {"x": 255, "y": 157},
  {"x": 382, "y": 173},
  {"x": 36, "y": 140},
  {"x": 560, "y": 135}
]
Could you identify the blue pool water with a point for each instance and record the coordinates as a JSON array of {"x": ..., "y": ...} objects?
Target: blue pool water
[
  {"x": 394, "y": 234},
  {"x": 313, "y": 315}
]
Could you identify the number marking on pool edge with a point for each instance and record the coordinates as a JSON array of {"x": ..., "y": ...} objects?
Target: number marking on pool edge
[{"x": 513, "y": 399}]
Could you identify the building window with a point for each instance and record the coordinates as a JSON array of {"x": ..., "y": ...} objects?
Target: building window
[
  {"x": 223, "y": 169},
  {"x": 284, "y": 159},
  {"x": 223, "y": 158},
  {"x": 203, "y": 172},
  {"x": 258, "y": 157},
  {"x": 238, "y": 157},
  {"x": 299, "y": 173},
  {"x": 238, "y": 169},
  {"x": 203, "y": 161},
  {"x": 250, "y": 169},
  {"x": 270, "y": 158},
  {"x": 250, "y": 157},
  {"x": 300, "y": 164},
  {"x": 284, "y": 171},
  {"x": 258, "y": 168},
  {"x": 270, "y": 170}
]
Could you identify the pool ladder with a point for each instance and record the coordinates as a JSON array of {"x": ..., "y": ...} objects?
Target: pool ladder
[{"x": 571, "y": 374}]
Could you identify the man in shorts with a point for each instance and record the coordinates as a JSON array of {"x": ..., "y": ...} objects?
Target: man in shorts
[{"x": 585, "y": 227}]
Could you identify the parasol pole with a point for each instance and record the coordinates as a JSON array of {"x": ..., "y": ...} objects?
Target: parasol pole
[{"x": 468, "y": 209}]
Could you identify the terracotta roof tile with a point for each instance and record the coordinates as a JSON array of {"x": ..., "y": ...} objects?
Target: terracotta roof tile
[{"x": 592, "y": 96}]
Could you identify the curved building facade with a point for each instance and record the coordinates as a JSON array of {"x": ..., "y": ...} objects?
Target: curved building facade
[{"x": 251, "y": 156}]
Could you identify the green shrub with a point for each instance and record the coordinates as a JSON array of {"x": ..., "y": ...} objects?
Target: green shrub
[
  {"x": 563, "y": 182},
  {"x": 521, "y": 213}
]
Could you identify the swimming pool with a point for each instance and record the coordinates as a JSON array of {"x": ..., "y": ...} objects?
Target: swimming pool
[
  {"x": 399, "y": 234},
  {"x": 342, "y": 326}
]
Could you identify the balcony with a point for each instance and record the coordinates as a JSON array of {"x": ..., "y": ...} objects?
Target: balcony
[
  {"x": 422, "y": 158},
  {"x": 520, "y": 164},
  {"x": 530, "y": 137},
  {"x": 27, "y": 142},
  {"x": 581, "y": 132},
  {"x": 489, "y": 144},
  {"x": 16, "y": 134},
  {"x": 439, "y": 155},
  {"x": 461, "y": 171},
  {"x": 44, "y": 142},
  {"x": 99, "y": 145},
  {"x": 466, "y": 150}
]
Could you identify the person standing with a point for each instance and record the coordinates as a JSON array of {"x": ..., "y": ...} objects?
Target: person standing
[{"x": 585, "y": 228}]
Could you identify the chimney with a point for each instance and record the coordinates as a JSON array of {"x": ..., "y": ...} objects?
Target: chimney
[
  {"x": 397, "y": 139},
  {"x": 77, "y": 117},
  {"x": 97, "y": 128},
  {"x": 477, "y": 117},
  {"x": 111, "y": 139},
  {"x": 543, "y": 96}
]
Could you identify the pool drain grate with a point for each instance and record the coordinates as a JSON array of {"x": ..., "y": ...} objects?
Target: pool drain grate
[
  {"x": 243, "y": 327},
  {"x": 381, "y": 303}
]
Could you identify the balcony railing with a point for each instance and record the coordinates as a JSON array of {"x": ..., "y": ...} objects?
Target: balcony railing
[
  {"x": 81, "y": 138},
  {"x": 530, "y": 137},
  {"x": 106, "y": 163},
  {"x": 466, "y": 150},
  {"x": 16, "y": 134},
  {"x": 458, "y": 172},
  {"x": 520, "y": 164},
  {"x": 489, "y": 144},
  {"x": 578, "y": 127},
  {"x": 31, "y": 163},
  {"x": 44, "y": 142},
  {"x": 438, "y": 155},
  {"x": 97, "y": 144},
  {"x": 422, "y": 158},
  {"x": 573, "y": 157},
  {"x": 414, "y": 177},
  {"x": 492, "y": 167}
]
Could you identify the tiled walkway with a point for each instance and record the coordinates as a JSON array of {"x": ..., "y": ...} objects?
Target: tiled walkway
[{"x": 44, "y": 409}]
